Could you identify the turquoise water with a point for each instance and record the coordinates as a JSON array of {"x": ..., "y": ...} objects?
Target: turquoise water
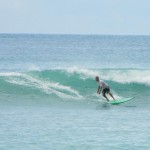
[
  {"x": 47, "y": 128},
  {"x": 48, "y": 92}
]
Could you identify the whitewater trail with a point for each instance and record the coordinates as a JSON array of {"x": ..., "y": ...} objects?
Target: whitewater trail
[
  {"x": 45, "y": 86},
  {"x": 75, "y": 83}
]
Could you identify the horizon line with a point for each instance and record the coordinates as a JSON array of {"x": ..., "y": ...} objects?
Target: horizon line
[{"x": 27, "y": 33}]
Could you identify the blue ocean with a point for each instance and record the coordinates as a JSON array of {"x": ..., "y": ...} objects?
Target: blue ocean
[{"x": 48, "y": 98}]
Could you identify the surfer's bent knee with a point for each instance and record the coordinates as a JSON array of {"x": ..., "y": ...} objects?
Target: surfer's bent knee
[{"x": 104, "y": 95}]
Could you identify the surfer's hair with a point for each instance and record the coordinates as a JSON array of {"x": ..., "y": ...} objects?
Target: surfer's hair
[{"x": 97, "y": 78}]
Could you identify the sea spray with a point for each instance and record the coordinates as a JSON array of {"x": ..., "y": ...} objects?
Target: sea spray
[{"x": 75, "y": 83}]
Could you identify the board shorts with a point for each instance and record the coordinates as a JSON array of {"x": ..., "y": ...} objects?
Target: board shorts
[{"x": 106, "y": 90}]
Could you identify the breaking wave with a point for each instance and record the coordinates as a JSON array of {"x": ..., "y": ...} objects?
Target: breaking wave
[{"x": 74, "y": 83}]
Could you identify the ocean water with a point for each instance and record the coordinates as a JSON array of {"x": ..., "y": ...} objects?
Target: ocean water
[{"x": 48, "y": 96}]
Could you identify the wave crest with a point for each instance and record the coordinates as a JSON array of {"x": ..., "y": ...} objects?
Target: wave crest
[{"x": 74, "y": 83}]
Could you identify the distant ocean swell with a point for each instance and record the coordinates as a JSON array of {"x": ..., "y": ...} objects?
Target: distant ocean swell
[{"x": 74, "y": 83}]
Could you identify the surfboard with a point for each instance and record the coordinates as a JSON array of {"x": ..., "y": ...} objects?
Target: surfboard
[{"x": 119, "y": 101}]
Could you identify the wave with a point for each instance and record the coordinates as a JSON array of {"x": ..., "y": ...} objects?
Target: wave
[
  {"x": 74, "y": 83},
  {"x": 122, "y": 76},
  {"x": 47, "y": 87}
]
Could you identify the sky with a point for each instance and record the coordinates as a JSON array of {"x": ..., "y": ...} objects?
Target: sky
[{"x": 117, "y": 17}]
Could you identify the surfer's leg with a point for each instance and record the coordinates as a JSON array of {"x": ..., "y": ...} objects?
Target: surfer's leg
[
  {"x": 104, "y": 94},
  {"x": 109, "y": 92},
  {"x": 112, "y": 96},
  {"x": 106, "y": 97}
]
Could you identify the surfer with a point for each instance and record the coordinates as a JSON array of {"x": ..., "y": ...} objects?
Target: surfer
[{"x": 104, "y": 87}]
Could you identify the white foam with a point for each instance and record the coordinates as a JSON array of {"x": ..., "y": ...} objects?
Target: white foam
[
  {"x": 85, "y": 73},
  {"x": 48, "y": 87},
  {"x": 6, "y": 74},
  {"x": 120, "y": 76},
  {"x": 33, "y": 68},
  {"x": 127, "y": 76},
  {"x": 18, "y": 82}
]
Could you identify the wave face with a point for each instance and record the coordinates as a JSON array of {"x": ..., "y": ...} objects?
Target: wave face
[{"x": 73, "y": 84}]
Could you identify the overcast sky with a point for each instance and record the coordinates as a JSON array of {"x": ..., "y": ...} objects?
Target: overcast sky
[{"x": 75, "y": 16}]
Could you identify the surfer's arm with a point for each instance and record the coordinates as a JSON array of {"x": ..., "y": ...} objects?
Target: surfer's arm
[{"x": 99, "y": 89}]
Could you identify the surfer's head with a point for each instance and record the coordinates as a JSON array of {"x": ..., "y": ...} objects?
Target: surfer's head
[{"x": 97, "y": 78}]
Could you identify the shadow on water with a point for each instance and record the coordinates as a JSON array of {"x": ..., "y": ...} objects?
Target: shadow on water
[
  {"x": 103, "y": 106},
  {"x": 131, "y": 106}
]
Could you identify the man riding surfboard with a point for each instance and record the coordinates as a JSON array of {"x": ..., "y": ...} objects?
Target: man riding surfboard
[{"x": 104, "y": 87}]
